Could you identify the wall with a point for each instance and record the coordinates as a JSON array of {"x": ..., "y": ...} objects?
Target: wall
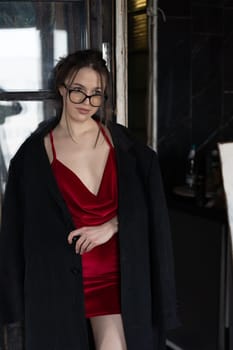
[{"x": 195, "y": 81}]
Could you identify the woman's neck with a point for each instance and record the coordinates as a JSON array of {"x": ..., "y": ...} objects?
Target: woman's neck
[{"x": 77, "y": 128}]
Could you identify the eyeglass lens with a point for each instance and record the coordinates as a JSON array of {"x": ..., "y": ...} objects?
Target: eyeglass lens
[{"x": 79, "y": 97}]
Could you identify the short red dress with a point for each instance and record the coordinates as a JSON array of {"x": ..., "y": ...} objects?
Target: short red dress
[{"x": 101, "y": 265}]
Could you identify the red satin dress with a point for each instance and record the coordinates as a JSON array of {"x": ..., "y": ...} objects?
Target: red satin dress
[{"x": 101, "y": 265}]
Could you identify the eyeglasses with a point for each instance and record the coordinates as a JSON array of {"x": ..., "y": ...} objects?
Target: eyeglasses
[{"x": 77, "y": 96}]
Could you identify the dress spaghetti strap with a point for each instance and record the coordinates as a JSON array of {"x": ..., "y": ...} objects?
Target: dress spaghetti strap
[
  {"x": 52, "y": 145},
  {"x": 105, "y": 135}
]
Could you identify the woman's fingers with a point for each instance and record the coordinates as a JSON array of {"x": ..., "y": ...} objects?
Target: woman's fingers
[
  {"x": 88, "y": 237},
  {"x": 81, "y": 245},
  {"x": 80, "y": 241},
  {"x": 84, "y": 245},
  {"x": 75, "y": 239},
  {"x": 74, "y": 236}
]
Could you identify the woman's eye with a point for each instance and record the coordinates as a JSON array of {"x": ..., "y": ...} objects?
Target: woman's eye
[
  {"x": 99, "y": 93},
  {"x": 78, "y": 90}
]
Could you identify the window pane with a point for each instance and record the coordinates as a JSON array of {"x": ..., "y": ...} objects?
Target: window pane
[
  {"x": 17, "y": 121},
  {"x": 33, "y": 36}
]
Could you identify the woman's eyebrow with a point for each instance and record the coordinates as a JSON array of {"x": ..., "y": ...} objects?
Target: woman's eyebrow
[
  {"x": 77, "y": 84},
  {"x": 84, "y": 87}
]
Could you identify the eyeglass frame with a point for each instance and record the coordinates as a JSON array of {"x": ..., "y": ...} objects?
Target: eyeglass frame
[{"x": 104, "y": 96}]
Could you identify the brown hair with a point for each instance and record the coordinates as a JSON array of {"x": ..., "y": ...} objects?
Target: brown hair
[{"x": 68, "y": 66}]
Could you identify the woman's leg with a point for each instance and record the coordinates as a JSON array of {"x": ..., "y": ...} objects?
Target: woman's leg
[{"x": 108, "y": 332}]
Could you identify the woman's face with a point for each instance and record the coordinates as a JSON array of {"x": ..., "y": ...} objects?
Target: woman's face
[{"x": 75, "y": 104}]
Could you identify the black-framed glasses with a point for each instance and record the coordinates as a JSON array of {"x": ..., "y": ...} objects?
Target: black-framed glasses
[{"x": 78, "y": 96}]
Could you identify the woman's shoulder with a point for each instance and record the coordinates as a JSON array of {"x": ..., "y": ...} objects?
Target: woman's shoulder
[
  {"x": 124, "y": 134},
  {"x": 146, "y": 158}
]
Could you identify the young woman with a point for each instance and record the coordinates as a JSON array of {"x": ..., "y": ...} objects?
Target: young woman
[{"x": 85, "y": 250}]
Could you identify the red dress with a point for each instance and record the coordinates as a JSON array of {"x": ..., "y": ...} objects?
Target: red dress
[{"x": 101, "y": 265}]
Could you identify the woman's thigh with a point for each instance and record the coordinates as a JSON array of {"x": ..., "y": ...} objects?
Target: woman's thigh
[{"x": 108, "y": 332}]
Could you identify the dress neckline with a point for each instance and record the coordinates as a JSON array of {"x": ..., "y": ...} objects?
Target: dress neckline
[
  {"x": 57, "y": 161},
  {"x": 96, "y": 195}
]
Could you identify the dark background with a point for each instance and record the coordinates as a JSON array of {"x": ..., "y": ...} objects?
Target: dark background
[{"x": 195, "y": 82}]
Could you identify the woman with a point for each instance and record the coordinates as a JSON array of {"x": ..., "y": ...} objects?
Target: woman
[{"x": 85, "y": 244}]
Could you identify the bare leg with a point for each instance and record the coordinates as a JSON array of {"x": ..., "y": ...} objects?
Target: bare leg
[{"x": 108, "y": 332}]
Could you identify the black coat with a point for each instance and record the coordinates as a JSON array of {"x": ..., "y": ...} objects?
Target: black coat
[{"x": 41, "y": 276}]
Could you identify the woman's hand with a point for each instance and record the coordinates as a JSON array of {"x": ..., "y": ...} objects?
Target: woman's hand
[{"x": 89, "y": 237}]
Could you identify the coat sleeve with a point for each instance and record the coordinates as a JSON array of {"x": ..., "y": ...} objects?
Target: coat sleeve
[
  {"x": 162, "y": 270},
  {"x": 11, "y": 252}
]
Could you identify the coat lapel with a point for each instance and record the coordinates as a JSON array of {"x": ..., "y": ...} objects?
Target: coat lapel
[
  {"x": 57, "y": 196},
  {"x": 126, "y": 165},
  {"x": 44, "y": 169}
]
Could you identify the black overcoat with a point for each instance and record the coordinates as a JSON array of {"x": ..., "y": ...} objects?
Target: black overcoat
[{"x": 41, "y": 276}]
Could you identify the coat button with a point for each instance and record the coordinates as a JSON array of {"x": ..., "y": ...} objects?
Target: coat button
[{"x": 75, "y": 270}]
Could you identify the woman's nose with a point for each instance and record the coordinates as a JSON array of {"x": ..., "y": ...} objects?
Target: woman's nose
[{"x": 87, "y": 100}]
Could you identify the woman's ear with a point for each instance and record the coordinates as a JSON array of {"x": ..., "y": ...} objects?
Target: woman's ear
[{"x": 62, "y": 90}]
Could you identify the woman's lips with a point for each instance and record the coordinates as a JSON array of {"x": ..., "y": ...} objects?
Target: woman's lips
[{"x": 83, "y": 110}]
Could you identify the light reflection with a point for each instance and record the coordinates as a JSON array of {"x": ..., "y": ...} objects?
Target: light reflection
[
  {"x": 137, "y": 4},
  {"x": 138, "y": 32}
]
